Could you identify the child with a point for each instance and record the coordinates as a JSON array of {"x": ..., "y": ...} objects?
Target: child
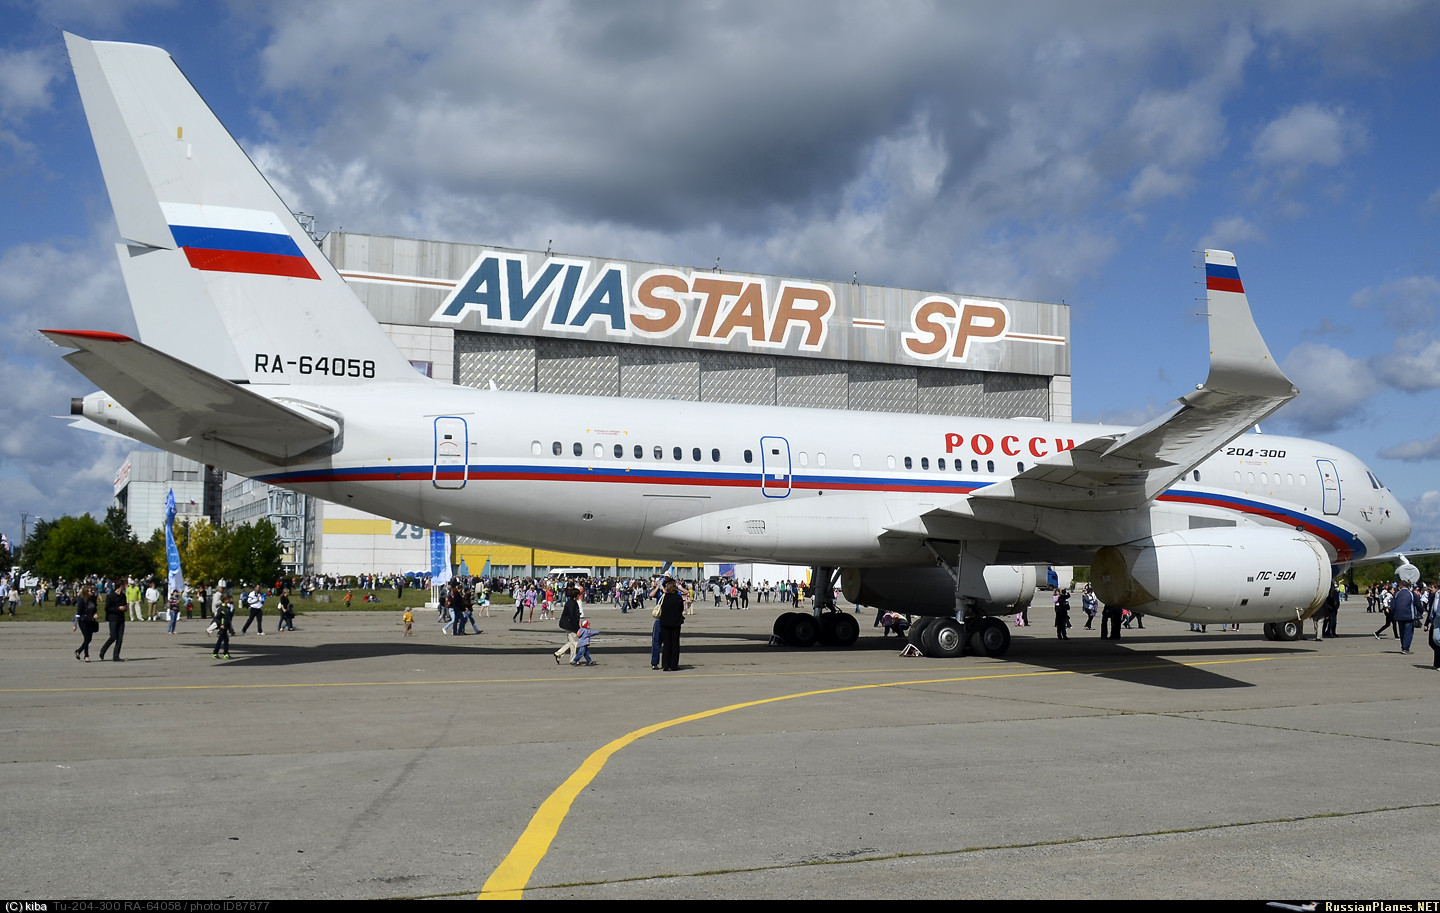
[
  {"x": 409, "y": 620},
  {"x": 583, "y": 650}
]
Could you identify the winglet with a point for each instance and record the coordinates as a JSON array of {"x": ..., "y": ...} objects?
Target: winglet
[{"x": 1240, "y": 361}]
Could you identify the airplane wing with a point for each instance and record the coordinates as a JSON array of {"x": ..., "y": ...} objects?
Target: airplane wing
[
  {"x": 1122, "y": 471},
  {"x": 177, "y": 400}
]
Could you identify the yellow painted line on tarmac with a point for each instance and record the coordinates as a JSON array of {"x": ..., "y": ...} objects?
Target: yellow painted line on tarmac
[{"x": 510, "y": 878}]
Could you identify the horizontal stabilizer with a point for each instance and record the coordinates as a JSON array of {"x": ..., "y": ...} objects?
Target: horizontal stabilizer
[{"x": 176, "y": 400}]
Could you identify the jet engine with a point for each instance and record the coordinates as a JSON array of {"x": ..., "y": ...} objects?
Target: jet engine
[
  {"x": 931, "y": 590},
  {"x": 1216, "y": 575}
]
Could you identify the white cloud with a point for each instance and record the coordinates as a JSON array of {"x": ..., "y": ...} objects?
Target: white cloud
[
  {"x": 1229, "y": 233},
  {"x": 1424, "y": 519},
  {"x": 1308, "y": 135},
  {"x": 25, "y": 78},
  {"x": 1413, "y": 365},
  {"x": 1333, "y": 387},
  {"x": 1414, "y": 451}
]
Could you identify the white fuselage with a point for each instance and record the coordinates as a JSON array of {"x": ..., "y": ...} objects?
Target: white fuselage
[{"x": 791, "y": 485}]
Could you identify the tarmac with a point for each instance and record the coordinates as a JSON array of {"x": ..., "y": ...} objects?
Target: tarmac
[{"x": 344, "y": 760}]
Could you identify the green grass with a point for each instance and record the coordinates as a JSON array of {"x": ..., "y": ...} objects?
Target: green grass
[{"x": 412, "y": 599}]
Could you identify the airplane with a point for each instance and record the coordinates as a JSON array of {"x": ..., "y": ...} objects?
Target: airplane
[{"x": 255, "y": 356}]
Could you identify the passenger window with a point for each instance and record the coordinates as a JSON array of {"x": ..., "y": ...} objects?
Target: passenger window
[
  {"x": 659, "y": 452},
  {"x": 556, "y": 449},
  {"x": 619, "y": 451},
  {"x": 599, "y": 450},
  {"x": 1019, "y": 467},
  {"x": 1197, "y": 475},
  {"x": 804, "y": 458},
  {"x": 908, "y": 464},
  {"x": 974, "y": 465},
  {"x": 855, "y": 460},
  {"x": 579, "y": 449},
  {"x": 940, "y": 464},
  {"x": 715, "y": 455},
  {"x": 819, "y": 459},
  {"x": 535, "y": 448},
  {"x": 924, "y": 462},
  {"x": 749, "y": 457},
  {"x": 639, "y": 452},
  {"x": 890, "y": 462},
  {"x": 989, "y": 465},
  {"x": 678, "y": 453},
  {"x": 695, "y": 454}
]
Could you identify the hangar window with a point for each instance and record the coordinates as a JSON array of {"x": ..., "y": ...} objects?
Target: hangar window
[
  {"x": 890, "y": 462},
  {"x": 695, "y": 454},
  {"x": 578, "y": 449},
  {"x": 855, "y": 460},
  {"x": 619, "y": 451},
  {"x": 678, "y": 453},
  {"x": 909, "y": 464},
  {"x": 715, "y": 455},
  {"x": 989, "y": 465},
  {"x": 924, "y": 462},
  {"x": 535, "y": 448},
  {"x": 749, "y": 457},
  {"x": 659, "y": 452},
  {"x": 556, "y": 448},
  {"x": 639, "y": 452}
]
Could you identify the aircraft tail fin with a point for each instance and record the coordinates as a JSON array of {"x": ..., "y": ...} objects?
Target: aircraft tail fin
[
  {"x": 1240, "y": 361},
  {"x": 220, "y": 273}
]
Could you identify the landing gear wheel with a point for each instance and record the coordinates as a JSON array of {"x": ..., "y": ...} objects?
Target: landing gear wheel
[
  {"x": 781, "y": 628},
  {"x": 845, "y": 630},
  {"x": 928, "y": 646},
  {"x": 1289, "y": 630},
  {"x": 1270, "y": 632},
  {"x": 949, "y": 637},
  {"x": 826, "y": 629},
  {"x": 917, "y": 631},
  {"x": 992, "y": 638},
  {"x": 804, "y": 631}
]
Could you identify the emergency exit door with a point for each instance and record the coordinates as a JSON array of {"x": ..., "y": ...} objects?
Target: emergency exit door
[
  {"x": 452, "y": 452},
  {"x": 774, "y": 467}
]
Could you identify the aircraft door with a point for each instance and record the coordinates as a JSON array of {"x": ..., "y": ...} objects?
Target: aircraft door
[
  {"x": 452, "y": 452},
  {"x": 1329, "y": 487},
  {"x": 774, "y": 467}
]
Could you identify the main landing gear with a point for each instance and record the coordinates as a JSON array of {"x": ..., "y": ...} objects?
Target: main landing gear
[
  {"x": 946, "y": 638},
  {"x": 827, "y": 625},
  {"x": 1284, "y": 630}
]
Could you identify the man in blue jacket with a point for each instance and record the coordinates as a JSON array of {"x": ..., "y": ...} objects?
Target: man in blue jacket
[{"x": 1402, "y": 610}]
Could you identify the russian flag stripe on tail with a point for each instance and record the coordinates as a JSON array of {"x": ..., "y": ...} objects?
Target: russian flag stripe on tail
[
  {"x": 231, "y": 240},
  {"x": 1220, "y": 277}
]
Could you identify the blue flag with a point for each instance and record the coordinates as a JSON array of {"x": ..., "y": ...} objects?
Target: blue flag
[
  {"x": 172, "y": 554},
  {"x": 440, "y": 572}
]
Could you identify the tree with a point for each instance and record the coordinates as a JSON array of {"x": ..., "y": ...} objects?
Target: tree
[
  {"x": 127, "y": 557},
  {"x": 33, "y": 546},
  {"x": 256, "y": 551},
  {"x": 72, "y": 548},
  {"x": 205, "y": 555}
]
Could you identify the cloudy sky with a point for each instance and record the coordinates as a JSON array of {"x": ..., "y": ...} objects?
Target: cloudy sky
[{"x": 1059, "y": 151}]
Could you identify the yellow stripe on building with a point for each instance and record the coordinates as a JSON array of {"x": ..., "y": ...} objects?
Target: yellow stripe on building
[{"x": 357, "y": 527}]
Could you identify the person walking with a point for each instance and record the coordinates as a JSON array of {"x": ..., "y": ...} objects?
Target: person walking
[
  {"x": 570, "y": 624},
  {"x": 172, "y": 611},
  {"x": 1432, "y": 626},
  {"x": 115, "y": 618},
  {"x": 672, "y": 616},
  {"x": 1062, "y": 614},
  {"x": 88, "y": 624},
  {"x": 582, "y": 648},
  {"x": 1402, "y": 609},
  {"x": 222, "y": 628},
  {"x": 287, "y": 613},
  {"x": 255, "y": 602}
]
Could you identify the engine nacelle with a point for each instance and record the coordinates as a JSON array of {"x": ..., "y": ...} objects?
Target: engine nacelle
[
  {"x": 1216, "y": 575},
  {"x": 931, "y": 590}
]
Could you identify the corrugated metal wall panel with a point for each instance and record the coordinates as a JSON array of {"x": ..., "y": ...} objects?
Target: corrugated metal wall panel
[
  {"x": 882, "y": 388},
  {"x": 944, "y": 392},
  {"x": 818, "y": 384},
  {"x": 507, "y": 360},
  {"x": 727, "y": 377},
  {"x": 1009, "y": 395},
  {"x": 577, "y": 368},
  {"x": 659, "y": 374}
]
